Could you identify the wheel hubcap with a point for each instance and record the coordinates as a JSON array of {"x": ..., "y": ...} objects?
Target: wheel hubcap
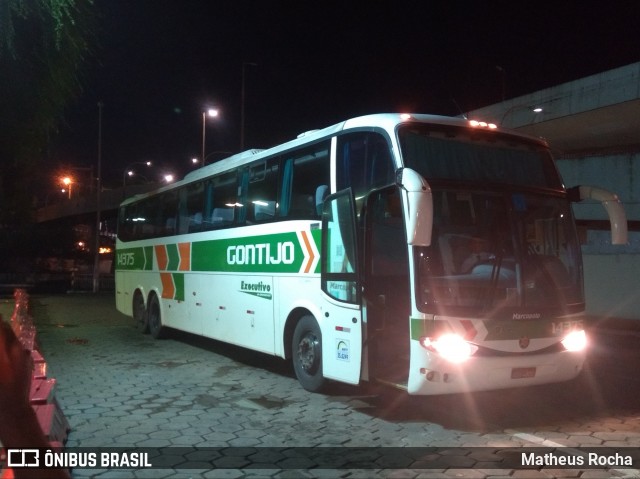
[{"x": 307, "y": 352}]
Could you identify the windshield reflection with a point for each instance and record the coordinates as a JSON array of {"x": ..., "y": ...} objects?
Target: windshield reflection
[{"x": 499, "y": 250}]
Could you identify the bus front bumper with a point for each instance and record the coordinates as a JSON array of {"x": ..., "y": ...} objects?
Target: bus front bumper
[{"x": 431, "y": 374}]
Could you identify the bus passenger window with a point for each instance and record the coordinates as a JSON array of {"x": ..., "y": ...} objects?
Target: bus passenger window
[
  {"x": 221, "y": 201},
  {"x": 168, "y": 213},
  {"x": 191, "y": 207},
  {"x": 262, "y": 191},
  {"x": 304, "y": 171}
]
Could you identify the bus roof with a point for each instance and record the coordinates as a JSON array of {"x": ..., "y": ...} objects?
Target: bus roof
[{"x": 386, "y": 121}]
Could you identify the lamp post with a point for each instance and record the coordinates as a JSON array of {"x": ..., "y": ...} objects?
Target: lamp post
[
  {"x": 242, "y": 96},
  {"x": 212, "y": 112},
  {"x": 96, "y": 253}
]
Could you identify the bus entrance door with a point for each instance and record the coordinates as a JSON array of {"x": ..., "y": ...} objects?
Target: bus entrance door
[
  {"x": 386, "y": 288},
  {"x": 342, "y": 321}
]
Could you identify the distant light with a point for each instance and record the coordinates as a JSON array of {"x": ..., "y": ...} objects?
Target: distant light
[
  {"x": 537, "y": 109},
  {"x": 212, "y": 112},
  {"x": 168, "y": 178},
  {"x": 195, "y": 161},
  {"x": 405, "y": 116},
  {"x": 104, "y": 250}
]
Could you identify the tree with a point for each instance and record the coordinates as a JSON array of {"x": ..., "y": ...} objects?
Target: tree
[{"x": 43, "y": 48}]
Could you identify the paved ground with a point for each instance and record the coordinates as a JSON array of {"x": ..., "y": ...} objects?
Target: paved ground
[{"x": 119, "y": 388}]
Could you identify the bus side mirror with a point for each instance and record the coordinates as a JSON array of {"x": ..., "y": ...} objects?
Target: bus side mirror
[
  {"x": 611, "y": 203},
  {"x": 418, "y": 206}
]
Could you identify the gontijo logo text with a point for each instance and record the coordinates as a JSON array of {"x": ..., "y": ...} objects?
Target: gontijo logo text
[{"x": 261, "y": 253}]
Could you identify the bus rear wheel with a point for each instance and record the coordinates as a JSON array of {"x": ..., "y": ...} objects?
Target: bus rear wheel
[
  {"x": 306, "y": 349},
  {"x": 140, "y": 316},
  {"x": 157, "y": 330}
]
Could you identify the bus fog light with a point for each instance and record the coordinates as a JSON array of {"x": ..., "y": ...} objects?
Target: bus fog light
[
  {"x": 451, "y": 347},
  {"x": 575, "y": 341}
]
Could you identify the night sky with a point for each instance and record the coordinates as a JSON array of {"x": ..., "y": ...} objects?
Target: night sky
[{"x": 160, "y": 62}]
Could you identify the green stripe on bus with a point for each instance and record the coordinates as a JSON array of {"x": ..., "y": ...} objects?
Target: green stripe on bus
[
  {"x": 178, "y": 281},
  {"x": 497, "y": 330},
  {"x": 516, "y": 329},
  {"x": 148, "y": 258},
  {"x": 173, "y": 256},
  {"x": 276, "y": 253},
  {"x": 135, "y": 258}
]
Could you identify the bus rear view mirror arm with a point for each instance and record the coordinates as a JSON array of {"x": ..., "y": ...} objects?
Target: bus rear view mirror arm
[
  {"x": 611, "y": 203},
  {"x": 418, "y": 206}
]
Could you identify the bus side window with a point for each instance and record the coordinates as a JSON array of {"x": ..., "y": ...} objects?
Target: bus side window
[
  {"x": 363, "y": 163},
  {"x": 167, "y": 222},
  {"x": 262, "y": 190},
  {"x": 304, "y": 172},
  {"x": 191, "y": 207},
  {"x": 221, "y": 201},
  {"x": 127, "y": 221}
]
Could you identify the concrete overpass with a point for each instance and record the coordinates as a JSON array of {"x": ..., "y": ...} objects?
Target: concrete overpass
[{"x": 86, "y": 205}]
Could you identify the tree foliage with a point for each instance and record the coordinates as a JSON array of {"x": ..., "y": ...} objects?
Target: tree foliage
[{"x": 43, "y": 47}]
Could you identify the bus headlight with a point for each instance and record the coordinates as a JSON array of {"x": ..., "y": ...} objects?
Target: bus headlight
[
  {"x": 575, "y": 341},
  {"x": 452, "y": 347}
]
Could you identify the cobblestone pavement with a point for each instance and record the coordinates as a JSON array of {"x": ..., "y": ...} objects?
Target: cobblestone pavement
[{"x": 119, "y": 388}]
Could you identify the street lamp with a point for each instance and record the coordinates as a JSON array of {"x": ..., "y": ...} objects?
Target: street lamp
[
  {"x": 211, "y": 112},
  {"x": 128, "y": 172},
  {"x": 67, "y": 182}
]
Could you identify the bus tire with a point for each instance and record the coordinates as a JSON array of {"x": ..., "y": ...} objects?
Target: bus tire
[
  {"x": 306, "y": 352},
  {"x": 140, "y": 316},
  {"x": 157, "y": 330}
]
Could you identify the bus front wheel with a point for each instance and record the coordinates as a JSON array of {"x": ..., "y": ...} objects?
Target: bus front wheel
[
  {"x": 157, "y": 330},
  {"x": 140, "y": 316},
  {"x": 307, "y": 354}
]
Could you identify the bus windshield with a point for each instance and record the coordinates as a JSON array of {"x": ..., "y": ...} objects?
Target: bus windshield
[
  {"x": 469, "y": 155},
  {"x": 500, "y": 241}
]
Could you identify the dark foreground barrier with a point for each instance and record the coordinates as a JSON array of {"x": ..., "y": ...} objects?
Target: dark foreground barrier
[{"x": 50, "y": 416}]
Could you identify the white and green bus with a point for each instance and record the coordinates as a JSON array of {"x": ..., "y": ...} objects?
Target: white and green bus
[{"x": 434, "y": 254}]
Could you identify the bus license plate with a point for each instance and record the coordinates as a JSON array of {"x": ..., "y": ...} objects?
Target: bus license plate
[{"x": 522, "y": 373}]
